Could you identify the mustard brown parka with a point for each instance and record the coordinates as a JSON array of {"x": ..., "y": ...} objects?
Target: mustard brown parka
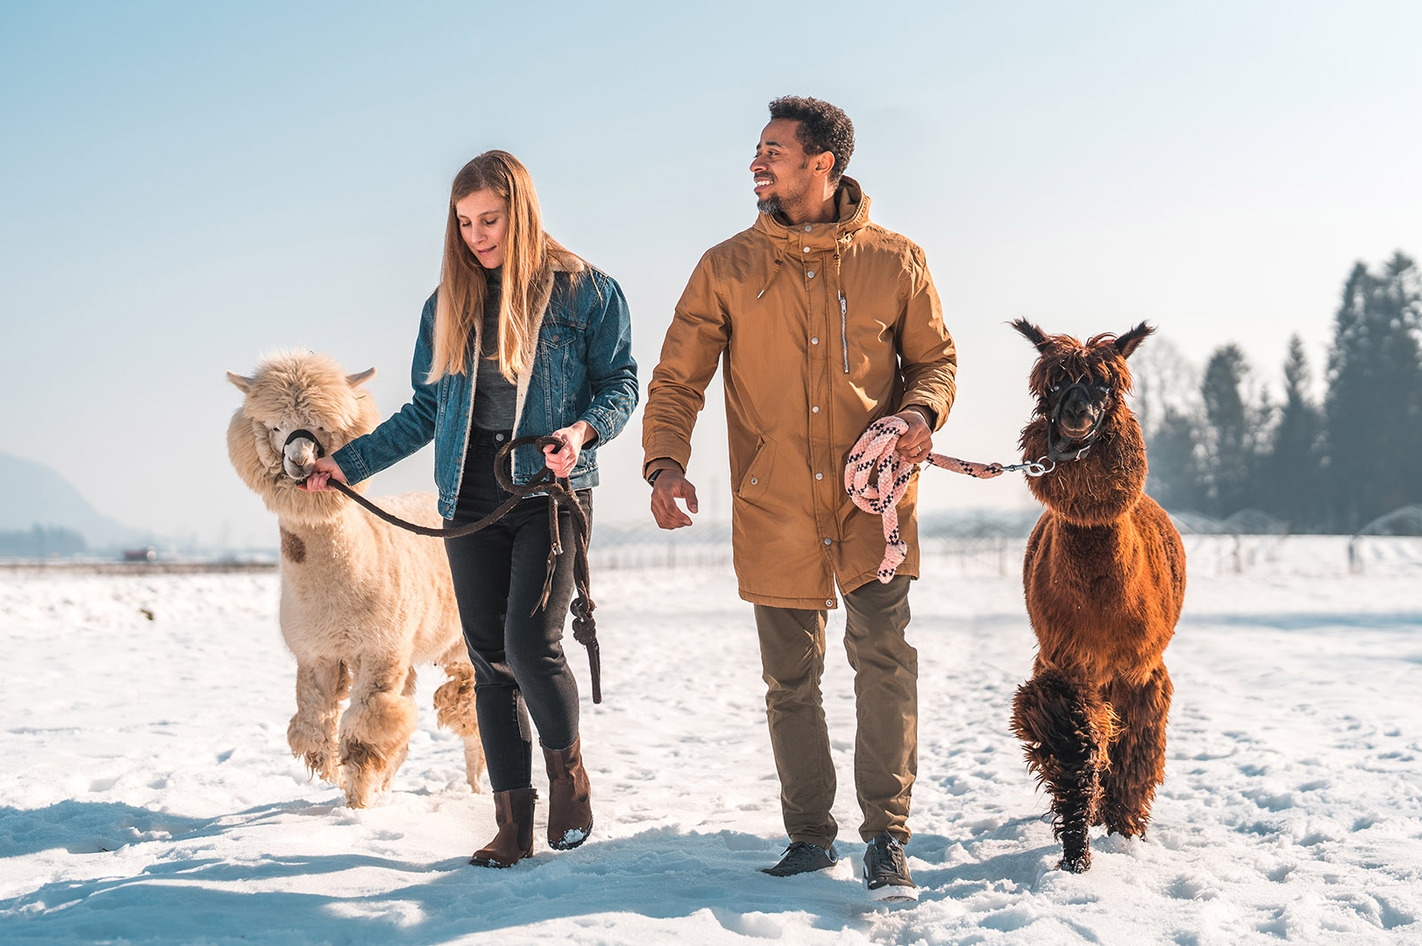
[{"x": 824, "y": 328}]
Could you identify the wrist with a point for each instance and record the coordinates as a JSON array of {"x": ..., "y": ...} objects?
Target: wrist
[
  {"x": 921, "y": 411},
  {"x": 582, "y": 431}
]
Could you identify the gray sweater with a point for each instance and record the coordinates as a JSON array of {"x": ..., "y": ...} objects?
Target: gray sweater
[{"x": 494, "y": 397}]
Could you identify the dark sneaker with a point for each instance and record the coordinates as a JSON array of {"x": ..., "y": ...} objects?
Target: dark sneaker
[
  {"x": 801, "y": 857},
  {"x": 886, "y": 872}
]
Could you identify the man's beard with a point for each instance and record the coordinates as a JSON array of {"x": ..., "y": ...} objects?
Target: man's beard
[{"x": 770, "y": 205}]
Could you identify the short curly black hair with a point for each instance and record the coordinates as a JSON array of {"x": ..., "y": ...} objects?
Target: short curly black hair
[{"x": 823, "y": 127}]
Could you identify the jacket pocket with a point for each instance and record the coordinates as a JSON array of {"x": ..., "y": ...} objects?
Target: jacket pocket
[
  {"x": 756, "y": 479},
  {"x": 557, "y": 334}
]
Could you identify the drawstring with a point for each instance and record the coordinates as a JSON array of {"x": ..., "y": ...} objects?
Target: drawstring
[{"x": 774, "y": 271}]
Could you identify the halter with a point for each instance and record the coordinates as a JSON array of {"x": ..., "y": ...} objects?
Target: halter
[
  {"x": 1054, "y": 451},
  {"x": 304, "y": 434}
]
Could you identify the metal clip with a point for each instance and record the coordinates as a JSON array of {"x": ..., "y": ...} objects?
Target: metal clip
[
  {"x": 1033, "y": 469},
  {"x": 1038, "y": 468}
]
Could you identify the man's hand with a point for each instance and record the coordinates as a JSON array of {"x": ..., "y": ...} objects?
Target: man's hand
[
  {"x": 670, "y": 486},
  {"x": 915, "y": 442},
  {"x": 325, "y": 469},
  {"x": 561, "y": 460}
]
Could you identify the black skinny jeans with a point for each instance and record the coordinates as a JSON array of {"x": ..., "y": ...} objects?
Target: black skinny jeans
[{"x": 519, "y": 665}]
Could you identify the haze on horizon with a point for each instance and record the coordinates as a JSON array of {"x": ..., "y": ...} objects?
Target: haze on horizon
[{"x": 186, "y": 187}]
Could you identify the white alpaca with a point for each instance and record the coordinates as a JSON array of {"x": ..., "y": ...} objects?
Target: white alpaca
[{"x": 361, "y": 601}]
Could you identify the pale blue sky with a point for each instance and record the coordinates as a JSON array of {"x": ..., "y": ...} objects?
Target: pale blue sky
[{"x": 186, "y": 186}]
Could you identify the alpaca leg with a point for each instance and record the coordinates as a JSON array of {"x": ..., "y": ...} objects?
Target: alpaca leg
[
  {"x": 1062, "y": 724},
  {"x": 411, "y": 680},
  {"x": 454, "y": 709},
  {"x": 320, "y": 687},
  {"x": 1138, "y": 754},
  {"x": 376, "y": 729}
]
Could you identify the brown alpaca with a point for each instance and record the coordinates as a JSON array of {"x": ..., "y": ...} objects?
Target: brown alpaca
[{"x": 1104, "y": 577}]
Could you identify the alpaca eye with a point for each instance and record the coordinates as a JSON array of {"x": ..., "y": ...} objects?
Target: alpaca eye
[
  {"x": 1056, "y": 388},
  {"x": 1104, "y": 388}
]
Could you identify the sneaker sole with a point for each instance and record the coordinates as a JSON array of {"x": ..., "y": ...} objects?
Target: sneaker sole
[{"x": 892, "y": 892}]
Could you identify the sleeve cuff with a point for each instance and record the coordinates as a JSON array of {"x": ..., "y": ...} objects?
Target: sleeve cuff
[
  {"x": 929, "y": 414},
  {"x": 660, "y": 463}
]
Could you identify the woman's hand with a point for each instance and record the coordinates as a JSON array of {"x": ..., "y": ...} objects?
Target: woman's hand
[
  {"x": 325, "y": 469},
  {"x": 575, "y": 436}
]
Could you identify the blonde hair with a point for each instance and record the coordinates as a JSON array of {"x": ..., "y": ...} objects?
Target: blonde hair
[{"x": 463, "y": 284}]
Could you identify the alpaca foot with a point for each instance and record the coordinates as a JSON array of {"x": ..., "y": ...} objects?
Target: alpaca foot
[
  {"x": 320, "y": 765},
  {"x": 315, "y": 747},
  {"x": 365, "y": 772},
  {"x": 1076, "y": 851},
  {"x": 1128, "y": 824}
]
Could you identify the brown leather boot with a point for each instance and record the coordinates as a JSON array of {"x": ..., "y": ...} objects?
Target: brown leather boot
[
  {"x": 513, "y": 813},
  {"x": 570, "y": 816}
]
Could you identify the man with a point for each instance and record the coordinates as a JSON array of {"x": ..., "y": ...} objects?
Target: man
[{"x": 826, "y": 322}]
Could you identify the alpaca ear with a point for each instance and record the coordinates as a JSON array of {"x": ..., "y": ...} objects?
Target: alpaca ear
[
  {"x": 360, "y": 377},
  {"x": 1129, "y": 342},
  {"x": 1030, "y": 332},
  {"x": 243, "y": 384}
]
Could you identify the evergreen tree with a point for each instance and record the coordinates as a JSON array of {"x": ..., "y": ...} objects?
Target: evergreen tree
[
  {"x": 1374, "y": 401},
  {"x": 1228, "y": 440},
  {"x": 1288, "y": 484},
  {"x": 1174, "y": 477}
]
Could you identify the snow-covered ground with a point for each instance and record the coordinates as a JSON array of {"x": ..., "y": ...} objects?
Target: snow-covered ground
[{"x": 147, "y": 794}]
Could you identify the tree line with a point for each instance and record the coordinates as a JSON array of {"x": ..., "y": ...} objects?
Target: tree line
[
  {"x": 41, "y": 542},
  {"x": 1332, "y": 463}
]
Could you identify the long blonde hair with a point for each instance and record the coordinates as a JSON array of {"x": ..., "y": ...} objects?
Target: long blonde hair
[{"x": 463, "y": 284}]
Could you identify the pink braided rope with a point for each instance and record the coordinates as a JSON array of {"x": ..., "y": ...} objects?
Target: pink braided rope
[{"x": 876, "y": 453}]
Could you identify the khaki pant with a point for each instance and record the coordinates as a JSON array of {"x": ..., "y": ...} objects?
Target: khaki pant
[{"x": 792, "y": 651}]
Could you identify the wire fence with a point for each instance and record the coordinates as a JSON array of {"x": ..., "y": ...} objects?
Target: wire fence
[{"x": 1001, "y": 556}]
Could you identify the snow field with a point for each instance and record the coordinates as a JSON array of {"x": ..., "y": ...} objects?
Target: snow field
[{"x": 148, "y": 796}]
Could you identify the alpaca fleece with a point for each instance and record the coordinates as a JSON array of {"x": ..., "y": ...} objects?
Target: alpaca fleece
[
  {"x": 1104, "y": 577},
  {"x": 362, "y": 603}
]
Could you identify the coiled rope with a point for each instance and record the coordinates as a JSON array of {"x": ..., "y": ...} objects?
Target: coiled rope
[{"x": 875, "y": 455}]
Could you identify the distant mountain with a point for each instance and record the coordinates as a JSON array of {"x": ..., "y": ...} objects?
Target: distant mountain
[{"x": 33, "y": 494}]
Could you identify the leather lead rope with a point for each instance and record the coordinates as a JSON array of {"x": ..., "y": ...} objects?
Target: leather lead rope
[{"x": 560, "y": 495}]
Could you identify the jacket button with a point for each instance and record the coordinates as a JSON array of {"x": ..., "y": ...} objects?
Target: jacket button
[
  {"x": 807, "y": 228},
  {"x": 815, "y": 409},
  {"x": 804, "y": 249},
  {"x": 754, "y": 481},
  {"x": 819, "y": 476},
  {"x": 810, "y": 274},
  {"x": 499, "y": 437},
  {"x": 815, "y": 340},
  {"x": 829, "y": 602},
  {"x": 827, "y": 541}
]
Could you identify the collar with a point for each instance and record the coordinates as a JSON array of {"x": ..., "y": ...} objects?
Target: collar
[{"x": 852, "y": 215}]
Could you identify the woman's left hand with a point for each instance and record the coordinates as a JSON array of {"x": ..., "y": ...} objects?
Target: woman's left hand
[{"x": 561, "y": 460}]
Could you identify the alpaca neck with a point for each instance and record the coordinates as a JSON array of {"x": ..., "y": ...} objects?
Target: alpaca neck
[
  {"x": 1102, "y": 487},
  {"x": 314, "y": 543}
]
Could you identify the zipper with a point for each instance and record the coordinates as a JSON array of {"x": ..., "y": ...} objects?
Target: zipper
[{"x": 844, "y": 330}]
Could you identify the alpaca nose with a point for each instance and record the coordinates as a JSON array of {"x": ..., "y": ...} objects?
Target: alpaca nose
[
  {"x": 298, "y": 459},
  {"x": 1077, "y": 406}
]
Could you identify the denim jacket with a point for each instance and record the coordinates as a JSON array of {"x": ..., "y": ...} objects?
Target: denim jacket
[{"x": 581, "y": 369}]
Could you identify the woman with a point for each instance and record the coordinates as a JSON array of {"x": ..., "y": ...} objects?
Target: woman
[{"x": 522, "y": 338}]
